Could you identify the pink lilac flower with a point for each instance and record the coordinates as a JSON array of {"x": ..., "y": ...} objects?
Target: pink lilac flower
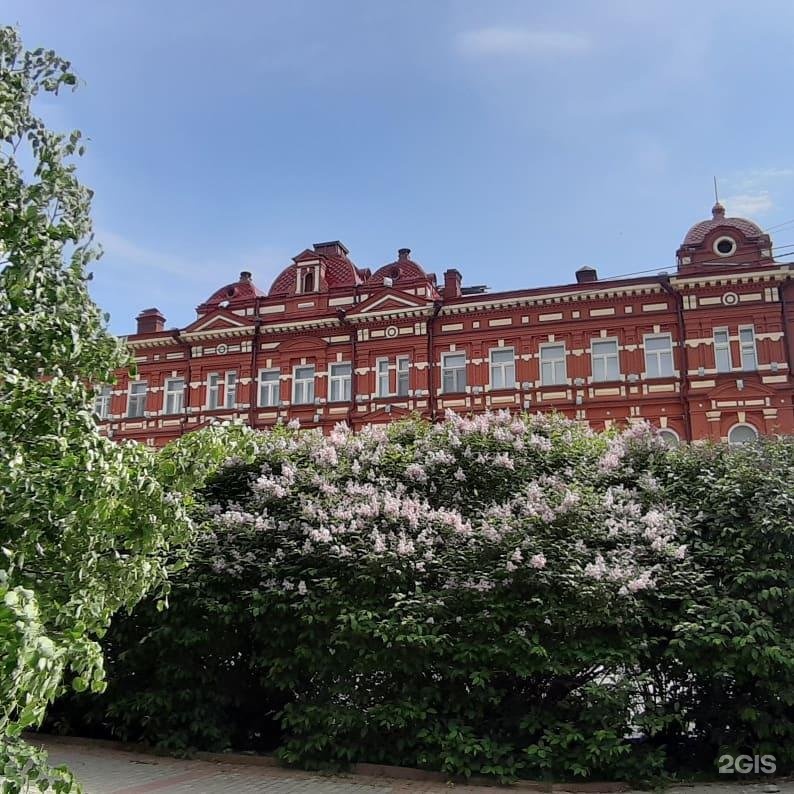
[{"x": 538, "y": 561}]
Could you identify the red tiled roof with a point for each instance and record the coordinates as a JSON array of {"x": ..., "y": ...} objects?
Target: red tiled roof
[
  {"x": 406, "y": 270},
  {"x": 236, "y": 292},
  {"x": 700, "y": 231},
  {"x": 339, "y": 272}
]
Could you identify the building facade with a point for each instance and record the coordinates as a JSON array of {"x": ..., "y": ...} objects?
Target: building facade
[{"x": 702, "y": 353}]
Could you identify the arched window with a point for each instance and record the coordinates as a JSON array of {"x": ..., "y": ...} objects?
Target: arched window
[
  {"x": 308, "y": 281},
  {"x": 742, "y": 434},
  {"x": 670, "y": 437}
]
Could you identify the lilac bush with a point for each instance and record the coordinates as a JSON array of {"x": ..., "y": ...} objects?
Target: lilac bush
[
  {"x": 432, "y": 594},
  {"x": 513, "y": 596}
]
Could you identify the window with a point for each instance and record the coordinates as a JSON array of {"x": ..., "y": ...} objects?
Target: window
[
  {"x": 403, "y": 382},
  {"x": 503, "y": 368},
  {"x": 269, "y": 391},
  {"x": 102, "y": 401},
  {"x": 605, "y": 359},
  {"x": 742, "y": 434},
  {"x": 722, "y": 350},
  {"x": 382, "y": 389},
  {"x": 670, "y": 437},
  {"x": 308, "y": 281},
  {"x": 747, "y": 347},
  {"x": 230, "y": 397},
  {"x": 136, "y": 398},
  {"x": 453, "y": 372},
  {"x": 303, "y": 385},
  {"x": 174, "y": 395},
  {"x": 658, "y": 356},
  {"x": 724, "y": 246},
  {"x": 340, "y": 378},
  {"x": 213, "y": 391},
  {"x": 552, "y": 365}
]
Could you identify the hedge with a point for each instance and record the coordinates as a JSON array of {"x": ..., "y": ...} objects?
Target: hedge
[{"x": 507, "y": 596}]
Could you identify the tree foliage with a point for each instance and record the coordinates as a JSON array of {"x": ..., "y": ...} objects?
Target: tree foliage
[
  {"x": 510, "y": 596},
  {"x": 85, "y": 525}
]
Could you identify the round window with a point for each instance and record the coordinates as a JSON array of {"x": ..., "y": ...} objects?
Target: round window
[
  {"x": 724, "y": 246},
  {"x": 742, "y": 434},
  {"x": 670, "y": 437}
]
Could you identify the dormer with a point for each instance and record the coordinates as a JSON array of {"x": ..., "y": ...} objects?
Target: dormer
[
  {"x": 724, "y": 243},
  {"x": 309, "y": 273},
  {"x": 324, "y": 267}
]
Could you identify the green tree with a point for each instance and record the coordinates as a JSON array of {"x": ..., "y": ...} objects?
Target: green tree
[{"x": 87, "y": 527}]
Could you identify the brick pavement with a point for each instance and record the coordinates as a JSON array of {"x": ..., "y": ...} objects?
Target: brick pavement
[{"x": 109, "y": 771}]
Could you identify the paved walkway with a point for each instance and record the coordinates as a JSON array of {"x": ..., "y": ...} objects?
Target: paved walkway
[{"x": 106, "y": 771}]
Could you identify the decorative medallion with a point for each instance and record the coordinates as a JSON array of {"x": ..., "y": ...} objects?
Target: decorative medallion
[
  {"x": 392, "y": 331},
  {"x": 730, "y": 299}
]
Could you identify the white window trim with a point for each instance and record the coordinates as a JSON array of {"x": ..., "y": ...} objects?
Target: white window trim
[
  {"x": 217, "y": 390},
  {"x": 549, "y": 345},
  {"x": 501, "y": 365},
  {"x": 755, "y": 349},
  {"x": 270, "y": 383},
  {"x": 378, "y": 375},
  {"x": 737, "y": 425},
  {"x": 102, "y": 399},
  {"x": 406, "y": 371},
  {"x": 145, "y": 395},
  {"x": 674, "y": 372},
  {"x": 167, "y": 392},
  {"x": 341, "y": 380},
  {"x": 726, "y": 346},
  {"x": 616, "y": 342},
  {"x": 296, "y": 381},
  {"x": 733, "y": 243},
  {"x": 464, "y": 368},
  {"x": 227, "y": 389}
]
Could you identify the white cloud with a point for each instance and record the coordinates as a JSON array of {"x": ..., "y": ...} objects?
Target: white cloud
[
  {"x": 119, "y": 248},
  {"x": 749, "y": 205},
  {"x": 521, "y": 42}
]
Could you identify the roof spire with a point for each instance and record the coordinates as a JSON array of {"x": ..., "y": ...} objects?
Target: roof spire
[{"x": 717, "y": 211}]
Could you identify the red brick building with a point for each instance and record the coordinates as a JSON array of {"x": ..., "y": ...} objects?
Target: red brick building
[{"x": 704, "y": 353}]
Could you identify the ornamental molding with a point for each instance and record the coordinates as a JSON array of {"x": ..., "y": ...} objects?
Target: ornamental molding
[
  {"x": 220, "y": 333},
  {"x": 723, "y": 279},
  {"x": 137, "y": 344},
  {"x": 549, "y": 299}
]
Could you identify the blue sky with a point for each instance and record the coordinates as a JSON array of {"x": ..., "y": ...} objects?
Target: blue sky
[{"x": 515, "y": 141}]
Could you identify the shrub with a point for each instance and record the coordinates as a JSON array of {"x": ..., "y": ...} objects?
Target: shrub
[{"x": 484, "y": 595}]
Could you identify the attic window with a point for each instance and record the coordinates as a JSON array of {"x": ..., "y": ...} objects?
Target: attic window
[
  {"x": 230, "y": 291},
  {"x": 308, "y": 281},
  {"x": 395, "y": 273},
  {"x": 724, "y": 246}
]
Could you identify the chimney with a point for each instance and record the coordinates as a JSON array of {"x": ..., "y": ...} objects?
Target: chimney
[
  {"x": 150, "y": 321},
  {"x": 245, "y": 275},
  {"x": 403, "y": 254},
  {"x": 586, "y": 274},
  {"x": 332, "y": 248},
  {"x": 452, "y": 280}
]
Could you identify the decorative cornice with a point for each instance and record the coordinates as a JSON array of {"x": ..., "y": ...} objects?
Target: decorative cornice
[
  {"x": 157, "y": 341},
  {"x": 392, "y": 314},
  {"x": 220, "y": 333},
  {"x": 550, "y": 298},
  {"x": 719, "y": 279}
]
